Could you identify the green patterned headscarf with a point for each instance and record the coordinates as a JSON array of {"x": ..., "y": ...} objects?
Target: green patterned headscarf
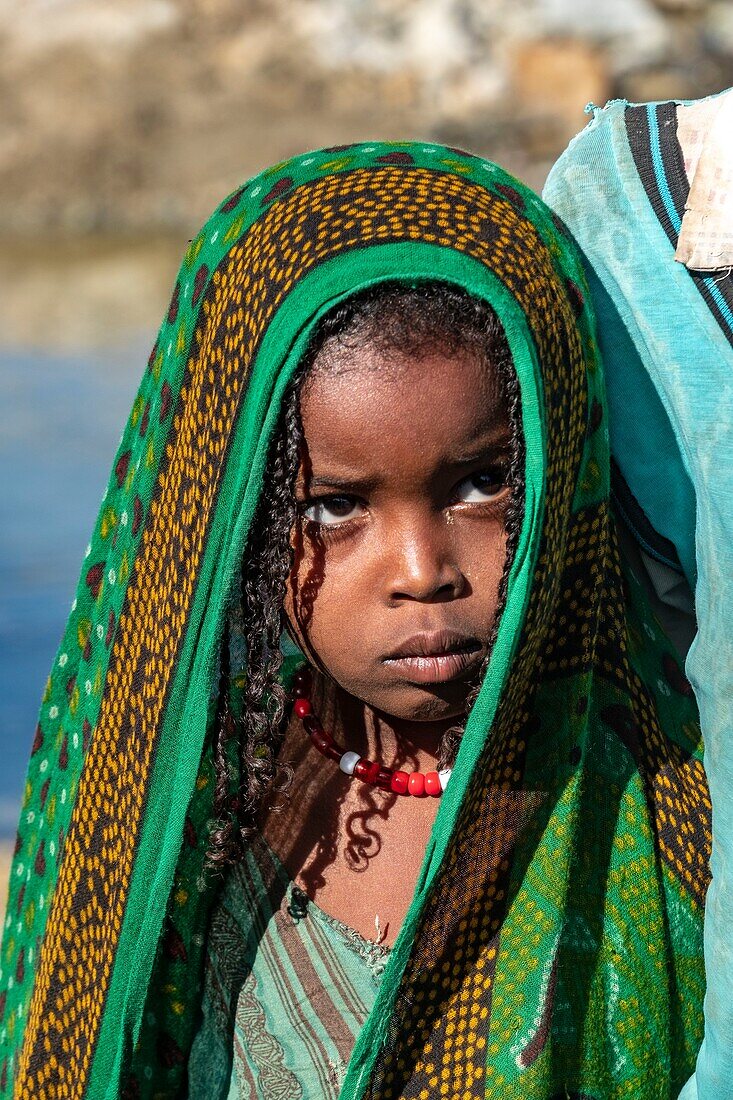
[{"x": 553, "y": 945}]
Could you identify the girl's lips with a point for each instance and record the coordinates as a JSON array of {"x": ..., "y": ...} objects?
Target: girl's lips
[{"x": 437, "y": 668}]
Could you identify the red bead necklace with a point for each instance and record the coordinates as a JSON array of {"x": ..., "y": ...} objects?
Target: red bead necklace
[{"x": 387, "y": 779}]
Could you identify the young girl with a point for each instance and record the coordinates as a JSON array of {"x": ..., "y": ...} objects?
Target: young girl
[{"x": 454, "y": 842}]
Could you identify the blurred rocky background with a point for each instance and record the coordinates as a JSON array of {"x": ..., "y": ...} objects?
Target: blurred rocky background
[{"x": 123, "y": 122}]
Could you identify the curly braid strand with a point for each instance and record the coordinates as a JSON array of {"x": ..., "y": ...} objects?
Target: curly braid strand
[{"x": 265, "y": 570}]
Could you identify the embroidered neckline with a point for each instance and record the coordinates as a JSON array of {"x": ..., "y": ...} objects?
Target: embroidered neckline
[
  {"x": 298, "y": 906},
  {"x": 374, "y": 954}
]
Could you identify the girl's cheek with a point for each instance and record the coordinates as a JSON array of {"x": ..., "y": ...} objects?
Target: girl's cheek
[{"x": 481, "y": 546}]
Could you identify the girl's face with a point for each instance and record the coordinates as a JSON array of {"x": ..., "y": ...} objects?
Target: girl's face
[{"x": 403, "y": 494}]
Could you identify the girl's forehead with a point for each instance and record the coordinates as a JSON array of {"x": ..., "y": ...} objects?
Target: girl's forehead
[{"x": 375, "y": 410}]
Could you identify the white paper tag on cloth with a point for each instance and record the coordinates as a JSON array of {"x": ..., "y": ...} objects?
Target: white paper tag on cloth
[{"x": 705, "y": 133}]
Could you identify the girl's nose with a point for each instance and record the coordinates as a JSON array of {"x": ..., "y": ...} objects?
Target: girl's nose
[{"x": 422, "y": 564}]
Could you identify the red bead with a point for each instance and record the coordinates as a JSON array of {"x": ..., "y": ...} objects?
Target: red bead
[
  {"x": 384, "y": 779},
  {"x": 367, "y": 771},
  {"x": 302, "y": 707},
  {"x": 399, "y": 782},
  {"x": 333, "y": 751},
  {"x": 373, "y": 773},
  {"x": 302, "y": 677},
  {"x": 361, "y": 768},
  {"x": 432, "y": 784},
  {"x": 416, "y": 784},
  {"x": 300, "y": 691},
  {"x": 312, "y": 724},
  {"x": 322, "y": 741}
]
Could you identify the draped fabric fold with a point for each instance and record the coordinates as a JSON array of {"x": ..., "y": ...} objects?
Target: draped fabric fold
[
  {"x": 553, "y": 945},
  {"x": 666, "y": 334}
]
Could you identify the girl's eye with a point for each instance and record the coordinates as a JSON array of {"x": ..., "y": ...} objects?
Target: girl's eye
[
  {"x": 481, "y": 487},
  {"x": 329, "y": 511}
]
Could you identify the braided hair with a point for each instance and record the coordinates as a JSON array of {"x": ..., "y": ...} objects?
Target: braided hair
[{"x": 396, "y": 320}]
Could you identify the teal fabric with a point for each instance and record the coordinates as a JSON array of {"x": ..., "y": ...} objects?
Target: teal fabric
[
  {"x": 644, "y": 444},
  {"x": 287, "y": 990},
  {"x": 669, "y": 369}
]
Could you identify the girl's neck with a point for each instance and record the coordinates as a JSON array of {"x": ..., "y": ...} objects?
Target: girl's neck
[{"x": 392, "y": 741}]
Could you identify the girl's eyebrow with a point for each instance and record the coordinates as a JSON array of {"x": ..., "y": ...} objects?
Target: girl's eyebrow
[
  {"x": 341, "y": 481},
  {"x": 486, "y": 448},
  {"x": 495, "y": 448},
  {"x": 492, "y": 444}
]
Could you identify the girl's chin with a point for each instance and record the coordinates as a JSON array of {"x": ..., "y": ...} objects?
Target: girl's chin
[
  {"x": 443, "y": 702},
  {"x": 426, "y": 705}
]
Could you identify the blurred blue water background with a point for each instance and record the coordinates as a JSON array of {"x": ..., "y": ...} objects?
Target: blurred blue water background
[{"x": 62, "y": 417}]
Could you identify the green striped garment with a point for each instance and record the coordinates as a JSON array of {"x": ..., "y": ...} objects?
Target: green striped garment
[{"x": 287, "y": 989}]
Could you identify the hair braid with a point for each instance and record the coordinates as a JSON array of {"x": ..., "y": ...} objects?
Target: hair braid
[{"x": 241, "y": 783}]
